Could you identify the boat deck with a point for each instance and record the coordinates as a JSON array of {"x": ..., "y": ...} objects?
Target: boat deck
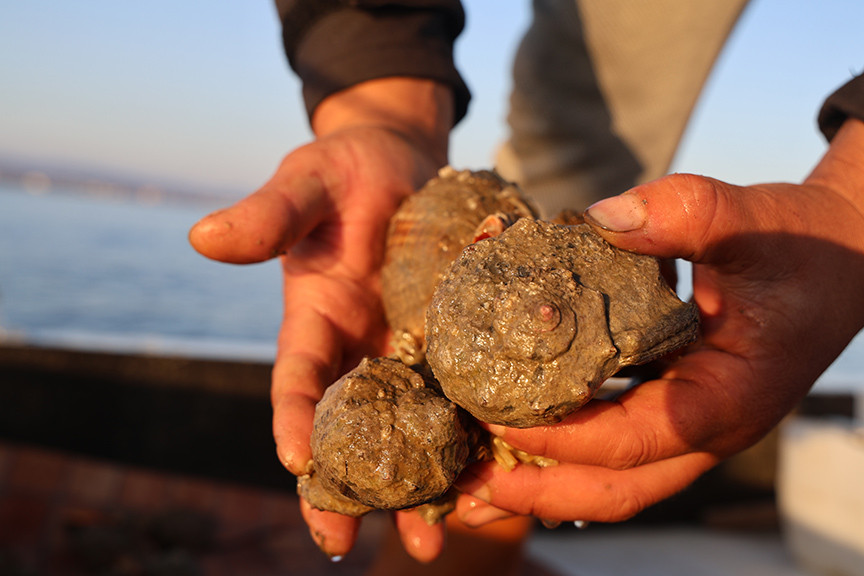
[
  {"x": 131, "y": 464},
  {"x": 61, "y": 514}
]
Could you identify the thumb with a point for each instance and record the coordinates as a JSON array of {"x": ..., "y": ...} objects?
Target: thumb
[
  {"x": 679, "y": 216},
  {"x": 263, "y": 225}
]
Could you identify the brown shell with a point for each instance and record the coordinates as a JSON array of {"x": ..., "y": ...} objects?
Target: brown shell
[
  {"x": 311, "y": 489},
  {"x": 522, "y": 330},
  {"x": 427, "y": 233},
  {"x": 546, "y": 313},
  {"x": 385, "y": 437}
]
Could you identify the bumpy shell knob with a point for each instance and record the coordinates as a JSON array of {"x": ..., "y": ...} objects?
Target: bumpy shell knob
[{"x": 534, "y": 325}]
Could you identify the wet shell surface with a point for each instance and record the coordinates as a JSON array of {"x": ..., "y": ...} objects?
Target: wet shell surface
[
  {"x": 522, "y": 326},
  {"x": 407, "y": 446},
  {"x": 546, "y": 313},
  {"x": 427, "y": 233},
  {"x": 385, "y": 437}
]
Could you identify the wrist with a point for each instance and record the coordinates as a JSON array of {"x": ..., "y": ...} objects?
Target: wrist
[
  {"x": 419, "y": 110},
  {"x": 841, "y": 169},
  {"x": 841, "y": 173}
]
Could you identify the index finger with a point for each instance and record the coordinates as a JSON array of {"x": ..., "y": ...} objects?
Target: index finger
[
  {"x": 701, "y": 403},
  {"x": 571, "y": 492}
]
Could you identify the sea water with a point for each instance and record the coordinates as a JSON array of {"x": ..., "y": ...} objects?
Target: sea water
[
  {"x": 107, "y": 273},
  {"x": 110, "y": 273}
]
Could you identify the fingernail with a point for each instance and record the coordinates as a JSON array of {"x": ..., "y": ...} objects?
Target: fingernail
[
  {"x": 468, "y": 484},
  {"x": 496, "y": 429},
  {"x": 289, "y": 462},
  {"x": 481, "y": 514},
  {"x": 623, "y": 213}
]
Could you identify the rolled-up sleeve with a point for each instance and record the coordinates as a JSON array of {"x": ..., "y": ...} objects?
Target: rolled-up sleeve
[
  {"x": 334, "y": 44},
  {"x": 846, "y": 102}
]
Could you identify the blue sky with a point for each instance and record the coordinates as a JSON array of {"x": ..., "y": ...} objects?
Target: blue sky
[{"x": 198, "y": 92}]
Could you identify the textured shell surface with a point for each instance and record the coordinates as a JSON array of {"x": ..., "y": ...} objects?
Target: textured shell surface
[
  {"x": 547, "y": 313},
  {"x": 428, "y": 232},
  {"x": 385, "y": 437},
  {"x": 522, "y": 329}
]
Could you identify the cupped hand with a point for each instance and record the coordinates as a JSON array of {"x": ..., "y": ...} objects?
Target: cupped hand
[
  {"x": 325, "y": 213},
  {"x": 777, "y": 276}
]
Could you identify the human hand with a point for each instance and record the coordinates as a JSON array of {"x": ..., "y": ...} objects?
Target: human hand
[
  {"x": 777, "y": 276},
  {"x": 325, "y": 213}
]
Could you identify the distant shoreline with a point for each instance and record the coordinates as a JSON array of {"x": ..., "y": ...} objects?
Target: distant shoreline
[{"x": 37, "y": 178}]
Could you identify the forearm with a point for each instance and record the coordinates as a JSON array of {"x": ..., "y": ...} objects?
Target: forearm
[{"x": 418, "y": 110}]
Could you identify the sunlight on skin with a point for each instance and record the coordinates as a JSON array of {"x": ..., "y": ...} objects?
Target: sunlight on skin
[
  {"x": 777, "y": 275},
  {"x": 326, "y": 213},
  {"x": 758, "y": 253}
]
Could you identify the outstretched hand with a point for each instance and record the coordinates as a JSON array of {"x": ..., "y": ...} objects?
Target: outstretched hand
[
  {"x": 777, "y": 276},
  {"x": 325, "y": 213}
]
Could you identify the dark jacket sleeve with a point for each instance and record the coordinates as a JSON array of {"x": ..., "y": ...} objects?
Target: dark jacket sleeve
[
  {"x": 846, "y": 102},
  {"x": 334, "y": 44}
]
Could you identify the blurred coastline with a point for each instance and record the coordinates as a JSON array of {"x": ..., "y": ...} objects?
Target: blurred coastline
[
  {"x": 38, "y": 177},
  {"x": 97, "y": 262}
]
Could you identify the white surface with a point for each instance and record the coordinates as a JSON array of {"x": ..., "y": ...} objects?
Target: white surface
[
  {"x": 676, "y": 551},
  {"x": 821, "y": 493}
]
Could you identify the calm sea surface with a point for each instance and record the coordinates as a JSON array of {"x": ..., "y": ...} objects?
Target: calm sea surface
[{"x": 111, "y": 274}]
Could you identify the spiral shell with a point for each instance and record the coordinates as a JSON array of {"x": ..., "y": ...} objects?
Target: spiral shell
[
  {"x": 426, "y": 234},
  {"x": 384, "y": 435},
  {"x": 523, "y": 324},
  {"x": 547, "y": 313}
]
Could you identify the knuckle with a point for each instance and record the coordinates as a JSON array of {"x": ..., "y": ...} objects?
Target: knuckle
[
  {"x": 634, "y": 450},
  {"x": 627, "y": 504}
]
